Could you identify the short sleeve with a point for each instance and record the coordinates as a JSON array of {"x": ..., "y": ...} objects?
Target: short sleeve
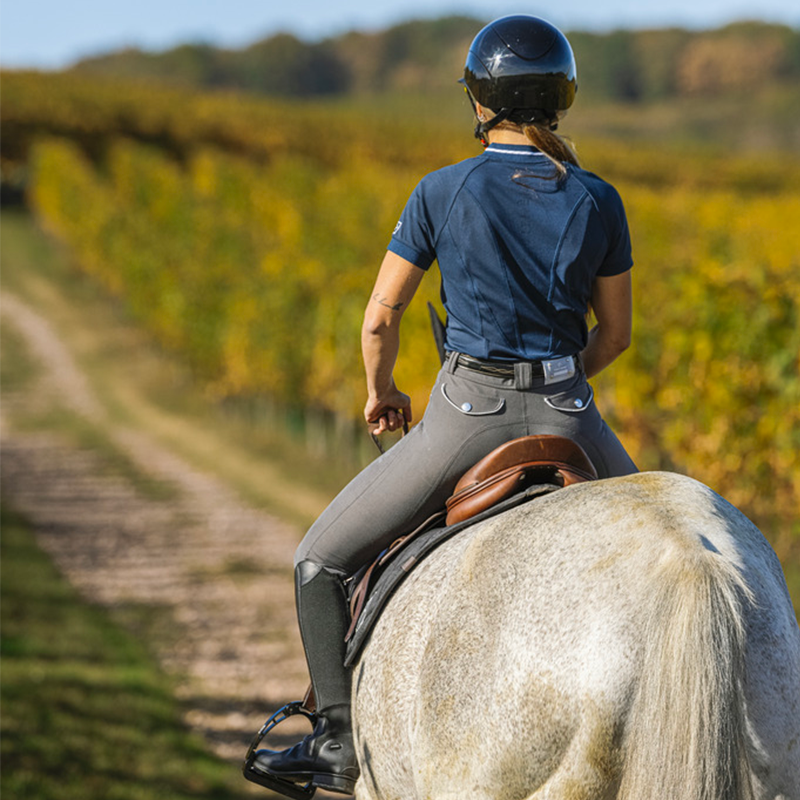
[
  {"x": 413, "y": 237},
  {"x": 618, "y": 257}
]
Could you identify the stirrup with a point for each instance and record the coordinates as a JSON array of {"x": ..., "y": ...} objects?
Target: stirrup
[{"x": 297, "y": 791}]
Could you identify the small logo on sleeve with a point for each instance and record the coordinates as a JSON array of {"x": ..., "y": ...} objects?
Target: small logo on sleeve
[{"x": 397, "y": 227}]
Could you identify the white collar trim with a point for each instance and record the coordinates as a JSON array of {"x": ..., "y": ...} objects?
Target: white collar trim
[{"x": 493, "y": 149}]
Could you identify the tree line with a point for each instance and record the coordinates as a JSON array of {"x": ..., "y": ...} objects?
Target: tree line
[{"x": 425, "y": 56}]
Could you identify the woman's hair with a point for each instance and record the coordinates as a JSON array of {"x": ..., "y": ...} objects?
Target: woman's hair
[
  {"x": 555, "y": 147},
  {"x": 543, "y": 136}
]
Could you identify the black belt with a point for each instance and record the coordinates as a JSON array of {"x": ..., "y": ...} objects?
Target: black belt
[{"x": 501, "y": 369}]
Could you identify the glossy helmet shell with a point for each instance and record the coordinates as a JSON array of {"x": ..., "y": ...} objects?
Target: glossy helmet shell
[{"x": 521, "y": 62}]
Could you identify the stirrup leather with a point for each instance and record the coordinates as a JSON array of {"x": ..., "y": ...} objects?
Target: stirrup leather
[{"x": 297, "y": 791}]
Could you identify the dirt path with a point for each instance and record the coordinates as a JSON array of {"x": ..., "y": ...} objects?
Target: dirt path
[{"x": 205, "y": 579}]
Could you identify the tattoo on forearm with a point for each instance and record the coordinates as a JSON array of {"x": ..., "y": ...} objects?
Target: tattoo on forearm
[{"x": 383, "y": 301}]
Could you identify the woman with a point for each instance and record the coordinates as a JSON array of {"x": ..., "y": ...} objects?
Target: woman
[{"x": 525, "y": 241}]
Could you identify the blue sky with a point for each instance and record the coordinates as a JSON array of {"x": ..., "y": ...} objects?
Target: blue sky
[{"x": 54, "y": 33}]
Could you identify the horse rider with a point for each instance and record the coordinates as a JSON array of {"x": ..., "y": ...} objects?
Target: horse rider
[{"x": 526, "y": 241}]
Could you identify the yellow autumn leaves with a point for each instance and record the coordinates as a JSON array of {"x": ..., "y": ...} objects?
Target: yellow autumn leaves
[
  {"x": 257, "y": 274},
  {"x": 713, "y": 380},
  {"x": 256, "y": 269}
]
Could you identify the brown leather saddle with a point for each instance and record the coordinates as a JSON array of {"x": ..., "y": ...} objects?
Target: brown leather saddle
[
  {"x": 514, "y": 466},
  {"x": 514, "y": 472}
]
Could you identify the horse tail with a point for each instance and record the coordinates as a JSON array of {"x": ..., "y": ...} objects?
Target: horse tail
[{"x": 686, "y": 732}]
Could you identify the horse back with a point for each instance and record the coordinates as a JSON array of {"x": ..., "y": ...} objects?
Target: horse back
[{"x": 522, "y": 640}]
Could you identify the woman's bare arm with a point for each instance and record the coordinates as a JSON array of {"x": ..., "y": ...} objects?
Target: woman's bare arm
[
  {"x": 613, "y": 308},
  {"x": 394, "y": 288}
]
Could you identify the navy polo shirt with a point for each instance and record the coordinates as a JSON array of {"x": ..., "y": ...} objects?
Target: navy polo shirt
[{"x": 518, "y": 250}]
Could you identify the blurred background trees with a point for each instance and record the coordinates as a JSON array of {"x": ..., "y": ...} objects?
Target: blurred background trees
[
  {"x": 238, "y": 204},
  {"x": 623, "y": 65}
]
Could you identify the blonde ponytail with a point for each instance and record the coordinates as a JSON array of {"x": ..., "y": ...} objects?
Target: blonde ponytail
[{"x": 555, "y": 147}]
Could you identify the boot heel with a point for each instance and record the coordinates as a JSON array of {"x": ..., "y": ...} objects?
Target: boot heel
[{"x": 334, "y": 783}]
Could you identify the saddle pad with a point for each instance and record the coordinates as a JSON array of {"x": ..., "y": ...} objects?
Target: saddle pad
[{"x": 409, "y": 556}]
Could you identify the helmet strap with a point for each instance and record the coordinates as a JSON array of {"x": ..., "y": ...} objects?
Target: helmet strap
[{"x": 484, "y": 126}]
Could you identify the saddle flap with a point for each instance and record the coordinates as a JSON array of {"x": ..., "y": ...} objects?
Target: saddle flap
[{"x": 514, "y": 466}]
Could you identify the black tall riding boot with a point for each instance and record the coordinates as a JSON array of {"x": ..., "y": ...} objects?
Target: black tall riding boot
[{"x": 325, "y": 758}]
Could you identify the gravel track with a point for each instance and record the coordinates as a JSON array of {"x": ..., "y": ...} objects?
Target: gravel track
[{"x": 204, "y": 579}]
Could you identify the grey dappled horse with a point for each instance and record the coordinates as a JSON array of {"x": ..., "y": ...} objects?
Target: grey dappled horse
[{"x": 630, "y": 638}]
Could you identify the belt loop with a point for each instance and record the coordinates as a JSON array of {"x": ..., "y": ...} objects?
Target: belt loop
[
  {"x": 523, "y": 376},
  {"x": 450, "y": 362}
]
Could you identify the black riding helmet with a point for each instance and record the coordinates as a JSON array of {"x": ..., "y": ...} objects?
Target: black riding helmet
[{"x": 523, "y": 69}]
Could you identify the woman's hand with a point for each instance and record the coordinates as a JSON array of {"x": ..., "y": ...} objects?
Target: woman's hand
[{"x": 388, "y": 412}]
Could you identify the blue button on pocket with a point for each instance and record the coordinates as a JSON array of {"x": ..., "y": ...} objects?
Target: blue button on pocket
[
  {"x": 485, "y": 406},
  {"x": 574, "y": 401}
]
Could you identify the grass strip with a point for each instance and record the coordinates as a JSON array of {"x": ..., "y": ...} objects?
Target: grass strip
[{"x": 86, "y": 712}]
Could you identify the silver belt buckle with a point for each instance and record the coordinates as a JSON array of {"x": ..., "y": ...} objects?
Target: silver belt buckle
[{"x": 559, "y": 369}]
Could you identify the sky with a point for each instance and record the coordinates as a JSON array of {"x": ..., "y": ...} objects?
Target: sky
[{"x": 51, "y": 34}]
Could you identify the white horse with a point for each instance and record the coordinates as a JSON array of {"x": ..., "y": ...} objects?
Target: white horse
[{"x": 631, "y": 638}]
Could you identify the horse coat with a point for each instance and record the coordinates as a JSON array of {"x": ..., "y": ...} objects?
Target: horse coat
[{"x": 627, "y": 638}]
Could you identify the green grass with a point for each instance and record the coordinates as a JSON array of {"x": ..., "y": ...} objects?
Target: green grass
[
  {"x": 17, "y": 370},
  {"x": 86, "y": 713}
]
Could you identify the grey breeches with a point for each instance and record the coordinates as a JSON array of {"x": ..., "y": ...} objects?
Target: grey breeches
[{"x": 469, "y": 414}]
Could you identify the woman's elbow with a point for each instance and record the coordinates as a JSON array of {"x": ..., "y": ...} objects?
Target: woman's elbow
[
  {"x": 373, "y": 324},
  {"x": 614, "y": 342},
  {"x": 622, "y": 341},
  {"x": 380, "y": 324}
]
